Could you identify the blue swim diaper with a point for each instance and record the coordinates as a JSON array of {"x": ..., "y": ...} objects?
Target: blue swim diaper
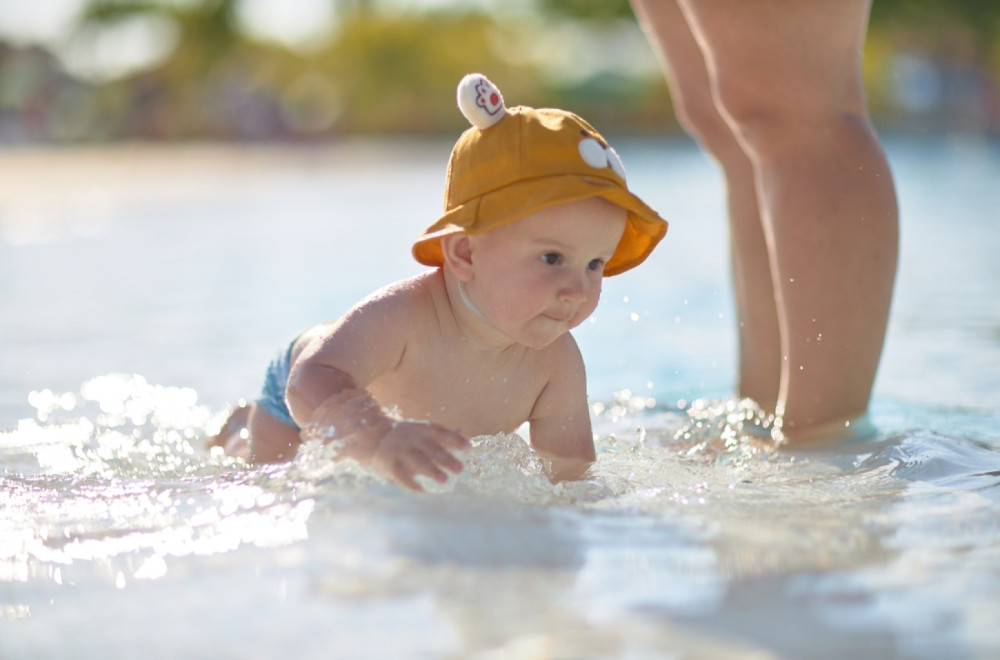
[{"x": 272, "y": 395}]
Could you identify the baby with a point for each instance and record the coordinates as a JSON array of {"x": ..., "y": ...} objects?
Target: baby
[{"x": 537, "y": 212}]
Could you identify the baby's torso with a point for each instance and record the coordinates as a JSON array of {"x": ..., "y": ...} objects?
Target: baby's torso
[
  {"x": 444, "y": 377},
  {"x": 450, "y": 388}
]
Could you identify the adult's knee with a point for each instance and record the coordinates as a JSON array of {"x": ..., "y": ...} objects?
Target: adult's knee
[
  {"x": 701, "y": 118},
  {"x": 771, "y": 116}
]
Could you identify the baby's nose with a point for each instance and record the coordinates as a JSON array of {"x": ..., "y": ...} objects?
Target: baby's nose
[{"x": 574, "y": 288}]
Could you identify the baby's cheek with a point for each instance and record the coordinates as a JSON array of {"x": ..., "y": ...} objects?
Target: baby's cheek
[{"x": 587, "y": 308}]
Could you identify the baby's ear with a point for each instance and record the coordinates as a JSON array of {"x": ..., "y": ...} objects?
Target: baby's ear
[{"x": 457, "y": 251}]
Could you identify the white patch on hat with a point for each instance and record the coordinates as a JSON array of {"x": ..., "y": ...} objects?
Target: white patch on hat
[
  {"x": 480, "y": 101},
  {"x": 615, "y": 162},
  {"x": 593, "y": 153},
  {"x": 599, "y": 156}
]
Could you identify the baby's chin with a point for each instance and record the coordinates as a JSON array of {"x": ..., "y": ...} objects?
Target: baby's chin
[{"x": 539, "y": 343}]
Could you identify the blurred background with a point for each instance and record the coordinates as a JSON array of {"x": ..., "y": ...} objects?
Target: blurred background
[{"x": 90, "y": 71}]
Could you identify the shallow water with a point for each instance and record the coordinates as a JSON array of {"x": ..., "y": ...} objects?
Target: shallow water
[{"x": 192, "y": 266}]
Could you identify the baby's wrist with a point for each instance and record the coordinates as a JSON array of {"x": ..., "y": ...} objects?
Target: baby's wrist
[{"x": 351, "y": 420}]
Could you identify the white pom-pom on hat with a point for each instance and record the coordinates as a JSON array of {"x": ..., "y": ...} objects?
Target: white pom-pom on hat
[{"x": 480, "y": 101}]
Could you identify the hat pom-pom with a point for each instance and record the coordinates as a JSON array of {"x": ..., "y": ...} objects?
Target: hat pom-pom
[{"x": 480, "y": 101}]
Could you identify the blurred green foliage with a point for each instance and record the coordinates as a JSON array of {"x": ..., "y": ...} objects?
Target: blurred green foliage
[
  {"x": 389, "y": 69},
  {"x": 938, "y": 59},
  {"x": 393, "y": 72},
  {"x": 383, "y": 72},
  {"x": 587, "y": 9},
  {"x": 927, "y": 16}
]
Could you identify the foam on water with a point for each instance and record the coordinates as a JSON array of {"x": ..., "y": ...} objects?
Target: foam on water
[{"x": 682, "y": 517}]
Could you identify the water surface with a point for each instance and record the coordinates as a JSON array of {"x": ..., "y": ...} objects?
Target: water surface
[{"x": 143, "y": 290}]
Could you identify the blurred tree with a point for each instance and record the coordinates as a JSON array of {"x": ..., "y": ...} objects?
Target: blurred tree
[
  {"x": 982, "y": 16},
  {"x": 936, "y": 63},
  {"x": 213, "y": 83},
  {"x": 587, "y": 9},
  {"x": 390, "y": 67},
  {"x": 397, "y": 72},
  {"x": 383, "y": 72},
  {"x": 206, "y": 29}
]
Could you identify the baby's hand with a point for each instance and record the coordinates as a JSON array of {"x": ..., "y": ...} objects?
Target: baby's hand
[{"x": 411, "y": 448}]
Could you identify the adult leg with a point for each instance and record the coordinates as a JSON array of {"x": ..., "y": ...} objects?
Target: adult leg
[
  {"x": 786, "y": 75},
  {"x": 691, "y": 92}
]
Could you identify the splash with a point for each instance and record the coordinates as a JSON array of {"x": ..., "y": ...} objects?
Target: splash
[
  {"x": 669, "y": 445},
  {"x": 117, "y": 425},
  {"x": 112, "y": 477}
]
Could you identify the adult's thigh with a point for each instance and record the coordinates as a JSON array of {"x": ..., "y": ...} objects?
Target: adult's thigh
[{"x": 782, "y": 59}]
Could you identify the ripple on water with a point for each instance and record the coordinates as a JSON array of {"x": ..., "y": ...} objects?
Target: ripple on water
[{"x": 111, "y": 485}]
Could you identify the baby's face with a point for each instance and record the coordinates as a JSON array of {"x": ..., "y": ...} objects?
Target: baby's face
[{"x": 537, "y": 278}]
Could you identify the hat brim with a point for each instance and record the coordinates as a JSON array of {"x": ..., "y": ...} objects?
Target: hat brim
[{"x": 643, "y": 228}]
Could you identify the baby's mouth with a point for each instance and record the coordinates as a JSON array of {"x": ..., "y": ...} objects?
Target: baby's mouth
[{"x": 559, "y": 318}]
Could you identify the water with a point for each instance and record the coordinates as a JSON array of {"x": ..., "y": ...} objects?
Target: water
[{"x": 143, "y": 290}]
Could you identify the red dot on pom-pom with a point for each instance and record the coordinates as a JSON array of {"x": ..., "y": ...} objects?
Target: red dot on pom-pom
[{"x": 494, "y": 98}]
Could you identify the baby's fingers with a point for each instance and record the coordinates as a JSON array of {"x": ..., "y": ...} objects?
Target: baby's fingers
[
  {"x": 432, "y": 451},
  {"x": 404, "y": 469},
  {"x": 454, "y": 440},
  {"x": 407, "y": 481},
  {"x": 402, "y": 464},
  {"x": 445, "y": 459},
  {"x": 438, "y": 443},
  {"x": 423, "y": 449}
]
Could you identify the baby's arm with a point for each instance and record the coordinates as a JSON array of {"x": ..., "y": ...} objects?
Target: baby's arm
[
  {"x": 560, "y": 420},
  {"x": 327, "y": 397},
  {"x": 351, "y": 418}
]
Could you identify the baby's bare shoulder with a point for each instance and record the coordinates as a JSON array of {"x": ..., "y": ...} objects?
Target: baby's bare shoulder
[
  {"x": 410, "y": 299},
  {"x": 372, "y": 338},
  {"x": 556, "y": 369},
  {"x": 562, "y": 355}
]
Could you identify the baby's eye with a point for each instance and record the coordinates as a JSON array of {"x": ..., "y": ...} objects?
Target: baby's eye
[
  {"x": 552, "y": 258},
  {"x": 596, "y": 264}
]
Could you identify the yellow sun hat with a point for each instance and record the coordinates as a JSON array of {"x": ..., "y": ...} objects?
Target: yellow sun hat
[{"x": 516, "y": 161}]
